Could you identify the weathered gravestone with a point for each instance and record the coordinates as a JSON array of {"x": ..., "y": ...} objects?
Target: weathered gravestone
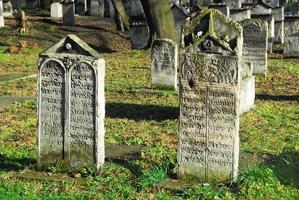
[
  {"x": 278, "y": 14},
  {"x": 255, "y": 34},
  {"x": 68, "y": 8},
  {"x": 209, "y": 98},
  {"x": 240, "y": 14},
  {"x": 247, "y": 90},
  {"x": 164, "y": 63},
  {"x": 138, "y": 29},
  {"x": 291, "y": 46},
  {"x": 56, "y": 10},
  {"x": 1, "y": 14},
  {"x": 97, "y": 8},
  {"x": 71, "y": 105},
  {"x": 264, "y": 12}
]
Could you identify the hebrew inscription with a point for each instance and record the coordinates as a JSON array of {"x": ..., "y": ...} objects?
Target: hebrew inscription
[
  {"x": 164, "y": 63},
  {"x": 208, "y": 116},
  {"x": 52, "y": 109},
  {"x": 255, "y": 44},
  {"x": 82, "y": 126}
]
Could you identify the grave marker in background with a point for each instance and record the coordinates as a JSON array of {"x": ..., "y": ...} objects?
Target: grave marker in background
[
  {"x": 56, "y": 10},
  {"x": 255, "y": 43},
  {"x": 71, "y": 105},
  {"x": 209, "y": 98},
  {"x": 68, "y": 9},
  {"x": 164, "y": 63}
]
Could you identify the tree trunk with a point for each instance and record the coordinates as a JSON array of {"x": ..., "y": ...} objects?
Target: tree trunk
[
  {"x": 122, "y": 20},
  {"x": 160, "y": 18}
]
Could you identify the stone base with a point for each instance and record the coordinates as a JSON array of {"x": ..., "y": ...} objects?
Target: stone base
[
  {"x": 247, "y": 94},
  {"x": 247, "y": 160}
]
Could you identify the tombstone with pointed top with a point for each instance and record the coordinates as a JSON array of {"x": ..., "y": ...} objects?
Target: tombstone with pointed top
[
  {"x": 210, "y": 78},
  {"x": 164, "y": 64},
  {"x": 71, "y": 105}
]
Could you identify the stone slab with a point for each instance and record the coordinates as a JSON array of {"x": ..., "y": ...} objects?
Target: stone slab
[
  {"x": 247, "y": 94},
  {"x": 255, "y": 43},
  {"x": 71, "y": 105},
  {"x": 56, "y": 10},
  {"x": 210, "y": 76},
  {"x": 164, "y": 64},
  {"x": 68, "y": 12},
  {"x": 291, "y": 46}
]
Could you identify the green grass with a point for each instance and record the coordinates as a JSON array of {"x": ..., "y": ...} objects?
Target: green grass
[{"x": 149, "y": 119}]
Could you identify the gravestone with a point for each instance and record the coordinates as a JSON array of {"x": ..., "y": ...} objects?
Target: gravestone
[
  {"x": 1, "y": 14},
  {"x": 278, "y": 14},
  {"x": 209, "y": 98},
  {"x": 255, "y": 44},
  {"x": 81, "y": 7},
  {"x": 264, "y": 12},
  {"x": 97, "y": 8},
  {"x": 291, "y": 25},
  {"x": 139, "y": 33},
  {"x": 68, "y": 9},
  {"x": 109, "y": 10},
  {"x": 291, "y": 46},
  {"x": 71, "y": 105},
  {"x": 139, "y": 30},
  {"x": 240, "y": 14},
  {"x": 179, "y": 14},
  {"x": 247, "y": 91},
  {"x": 56, "y": 10},
  {"x": 164, "y": 63},
  {"x": 7, "y": 8}
]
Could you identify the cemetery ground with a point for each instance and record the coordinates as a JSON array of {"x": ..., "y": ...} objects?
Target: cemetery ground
[{"x": 269, "y": 136}]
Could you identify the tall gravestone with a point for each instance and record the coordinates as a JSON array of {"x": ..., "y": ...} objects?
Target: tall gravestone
[
  {"x": 71, "y": 105},
  {"x": 164, "y": 63},
  {"x": 279, "y": 24},
  {"x": 209, "y": 98},
  {"x": 68, "y": 9},
  {"x": 264, "y": 12},
  {"x": 255, "y": 34},
  {"x": 139, "y": 30}
]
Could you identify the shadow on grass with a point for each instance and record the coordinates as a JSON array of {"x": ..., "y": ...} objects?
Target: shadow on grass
[
  {"x": 15, "y": 164},
  {"x": 277, "y": 97},
  {"x": 286, "y": 168},
  {"x": 141, "y": 112}
]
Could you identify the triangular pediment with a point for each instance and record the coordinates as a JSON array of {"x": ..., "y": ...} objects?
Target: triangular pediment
[
  {"x": 210, "y": 24},
  {"x": 71, "y": 44},
  {"x": 261, "y": 9}
]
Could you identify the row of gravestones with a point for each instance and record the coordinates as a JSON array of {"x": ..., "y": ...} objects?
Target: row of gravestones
[
  {"x": 282, "y": 26},
  {"x": 71, "y": 103}
]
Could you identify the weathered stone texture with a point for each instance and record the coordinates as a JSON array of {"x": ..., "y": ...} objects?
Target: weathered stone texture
[
  {"x": 164, "y": 63},
  {"x": 255, "y": 44},
  {"x": 210, "y": 79},
  {"x": 71, "y": 105}
]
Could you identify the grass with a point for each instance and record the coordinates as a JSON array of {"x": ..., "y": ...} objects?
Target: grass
[{"x": 149, "y": 119}]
